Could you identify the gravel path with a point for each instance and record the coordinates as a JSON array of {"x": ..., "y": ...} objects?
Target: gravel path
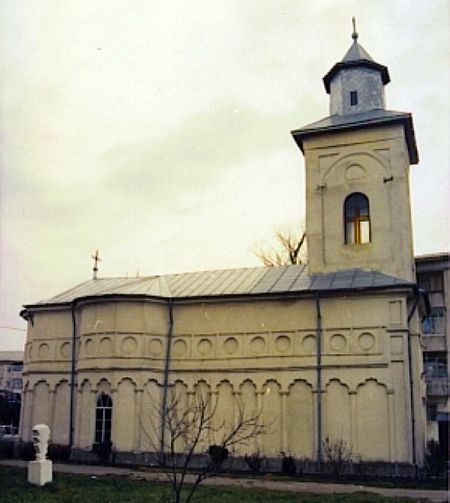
[{"x": 249, "y": 483}]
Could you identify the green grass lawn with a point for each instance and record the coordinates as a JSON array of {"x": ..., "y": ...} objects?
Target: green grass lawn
[{"x": 84, "y": 489}]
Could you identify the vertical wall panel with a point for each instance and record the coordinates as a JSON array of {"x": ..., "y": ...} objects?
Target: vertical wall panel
[
  {"x": 150, "y": 417},
  {"x": 86, "y": 411},
  {"x": 271, "y": 417},
  {"x": 300, "y": 420},
  {"x": 337, "y": 413},
  {"x": 372, "y": 421},
  {"x": 61, "y": 414},
  {"x": 40, "y": 404},
  {"x": 123, "y": 416},
  {"x": 249, "y": 403},
  {"x": 224, "y": 416}
]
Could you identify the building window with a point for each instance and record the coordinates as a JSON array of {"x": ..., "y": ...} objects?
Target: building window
[
  {"x": 431, "y": 411},
  {"x": 15, "y": 368},
  {"x": 435, "y": 365},
  {"x": 103, "y": 416},
  {"x": 431, "y": 282},
  {"x": 357, "y": 219},
  {"x": 353, "y": 98},
  {"x": 16, "y": 383},
  {"x": 435, "y": 323}
]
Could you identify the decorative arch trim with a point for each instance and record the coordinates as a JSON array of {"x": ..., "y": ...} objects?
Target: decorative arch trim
[
  {"x": 354, "y": 155},
  {"x": 295, "y": 381},
  {"x": 339, "y": 381},
  {"x": 104, "y": 380},
  {"x": 126, "y": 378},
  {"x": 375, "y": 380}
]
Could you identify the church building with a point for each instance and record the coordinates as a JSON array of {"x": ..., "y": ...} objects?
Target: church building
[{"x": 331, "y": 349}]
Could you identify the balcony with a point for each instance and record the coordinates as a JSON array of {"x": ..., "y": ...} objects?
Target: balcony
[
  {"x": 15, "y": 368},
  {"x": 434, "y": 325},
  {"x": 438, "y": 386},
  {"x": 435, "y": 342}
]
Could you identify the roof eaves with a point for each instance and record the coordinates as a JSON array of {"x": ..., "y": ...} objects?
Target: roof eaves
[
  {"x": 352, "y": 64},
  {"x": 323, "y": 287},
  {"x": 432, "y": 257},
  {"x": 405, "y": 119}
]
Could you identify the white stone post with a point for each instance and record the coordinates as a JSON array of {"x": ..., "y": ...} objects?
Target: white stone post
[{"x": 40, "y": 471}]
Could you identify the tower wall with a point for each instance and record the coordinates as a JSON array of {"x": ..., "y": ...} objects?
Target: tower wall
[
  {"x": 368, "y": 85},
  {"x": 373, "y": 161}
]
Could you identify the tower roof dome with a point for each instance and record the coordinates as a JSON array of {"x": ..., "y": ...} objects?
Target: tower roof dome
[{"x": 356, "y": 56}]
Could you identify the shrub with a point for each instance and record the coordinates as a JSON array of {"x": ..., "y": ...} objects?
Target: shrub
[
  {"x": 288, "y": 465},
  {"x": 435, "y": 459},
  {"x": 7, "y": 448},
  {"x": 336, "y": 453},
  {"x": 255, "y": 461},
  {"x": 58, "y": 452},
  {"x": 24, "y": 450},
  {"x": 103, "y": 450},
  {"x": 218, "y": 455},
  {"x": 302, "y": 466}
]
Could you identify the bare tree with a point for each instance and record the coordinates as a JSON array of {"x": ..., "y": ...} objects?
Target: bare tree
[
  {"x": 190, "y": 427},
  {"x": 337, "y": 452},
  {"x": 290, "y": 249}
]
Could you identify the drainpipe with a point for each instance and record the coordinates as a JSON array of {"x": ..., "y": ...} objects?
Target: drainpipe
[
  {"x": 166, "y": 382},
  {"x": 319, "y": 381},
  {"x": 411, "y": 390},
  {"x": 72, "y": 377}
]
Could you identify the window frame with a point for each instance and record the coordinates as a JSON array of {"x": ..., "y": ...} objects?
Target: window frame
[
  {"x": 103, "y": 418},
  {"x": 361, "y": 216}
]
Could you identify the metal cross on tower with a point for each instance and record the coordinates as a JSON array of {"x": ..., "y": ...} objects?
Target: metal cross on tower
[
  {"x": 355, "y": 33},
  {"x": 96, "y": 259}
]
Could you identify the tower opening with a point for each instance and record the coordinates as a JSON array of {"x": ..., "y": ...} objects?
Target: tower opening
[{"x": 357, "y": 219}]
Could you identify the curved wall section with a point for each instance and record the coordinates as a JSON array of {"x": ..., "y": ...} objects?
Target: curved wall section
[{"x": 121, "y": 333}]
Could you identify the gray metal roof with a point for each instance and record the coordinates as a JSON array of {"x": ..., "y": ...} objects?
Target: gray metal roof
[
  {"x": 287, "y": 279},
  {"x": 357, "y": 120},
  {"x": 355, "y": 57},
  {"x": 433, "y": 262},
  {"x": 356, "y": 53},
  {"x": 337, "y": 121},
  {"x": 432, "y": 257}
]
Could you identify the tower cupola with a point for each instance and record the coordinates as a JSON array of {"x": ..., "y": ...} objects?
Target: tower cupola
[
  {"x": 356, "y": 84},
  {"x": 358, "y": 212}
]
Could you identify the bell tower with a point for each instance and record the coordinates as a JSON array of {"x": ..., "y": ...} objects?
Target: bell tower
[{"x": 358, "y": 212}]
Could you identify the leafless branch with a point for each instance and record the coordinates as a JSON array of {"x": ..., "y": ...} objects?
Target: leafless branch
[
  {"x": 289, "y": 249},
  {"x": 190, "y": 425}
]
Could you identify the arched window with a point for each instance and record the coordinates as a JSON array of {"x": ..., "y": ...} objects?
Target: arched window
[
  {"x": 103, "y": 417},
  {"x": 357, "y": 219}
]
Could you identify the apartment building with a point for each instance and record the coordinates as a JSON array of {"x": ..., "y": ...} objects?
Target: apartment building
[{"x": 433, "y": 275}]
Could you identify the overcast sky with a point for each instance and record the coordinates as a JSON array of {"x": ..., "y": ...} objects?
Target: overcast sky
[{"x": 159, "y": 131}]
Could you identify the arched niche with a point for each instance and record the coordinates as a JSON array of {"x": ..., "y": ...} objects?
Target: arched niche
[
  {"x": 337, "y": 414},
  {"x": 271, "y": 417},
  {"x": 61, "y": 414},
  {"x": 124, "y": 415},
  {"x": 372, "y": 421},
  {"x": 300, "y": 419}
]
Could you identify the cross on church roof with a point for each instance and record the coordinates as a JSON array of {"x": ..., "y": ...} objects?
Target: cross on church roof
[
  {"x": 355, "y": 33},
  {"x": 96, "y": 259}
]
